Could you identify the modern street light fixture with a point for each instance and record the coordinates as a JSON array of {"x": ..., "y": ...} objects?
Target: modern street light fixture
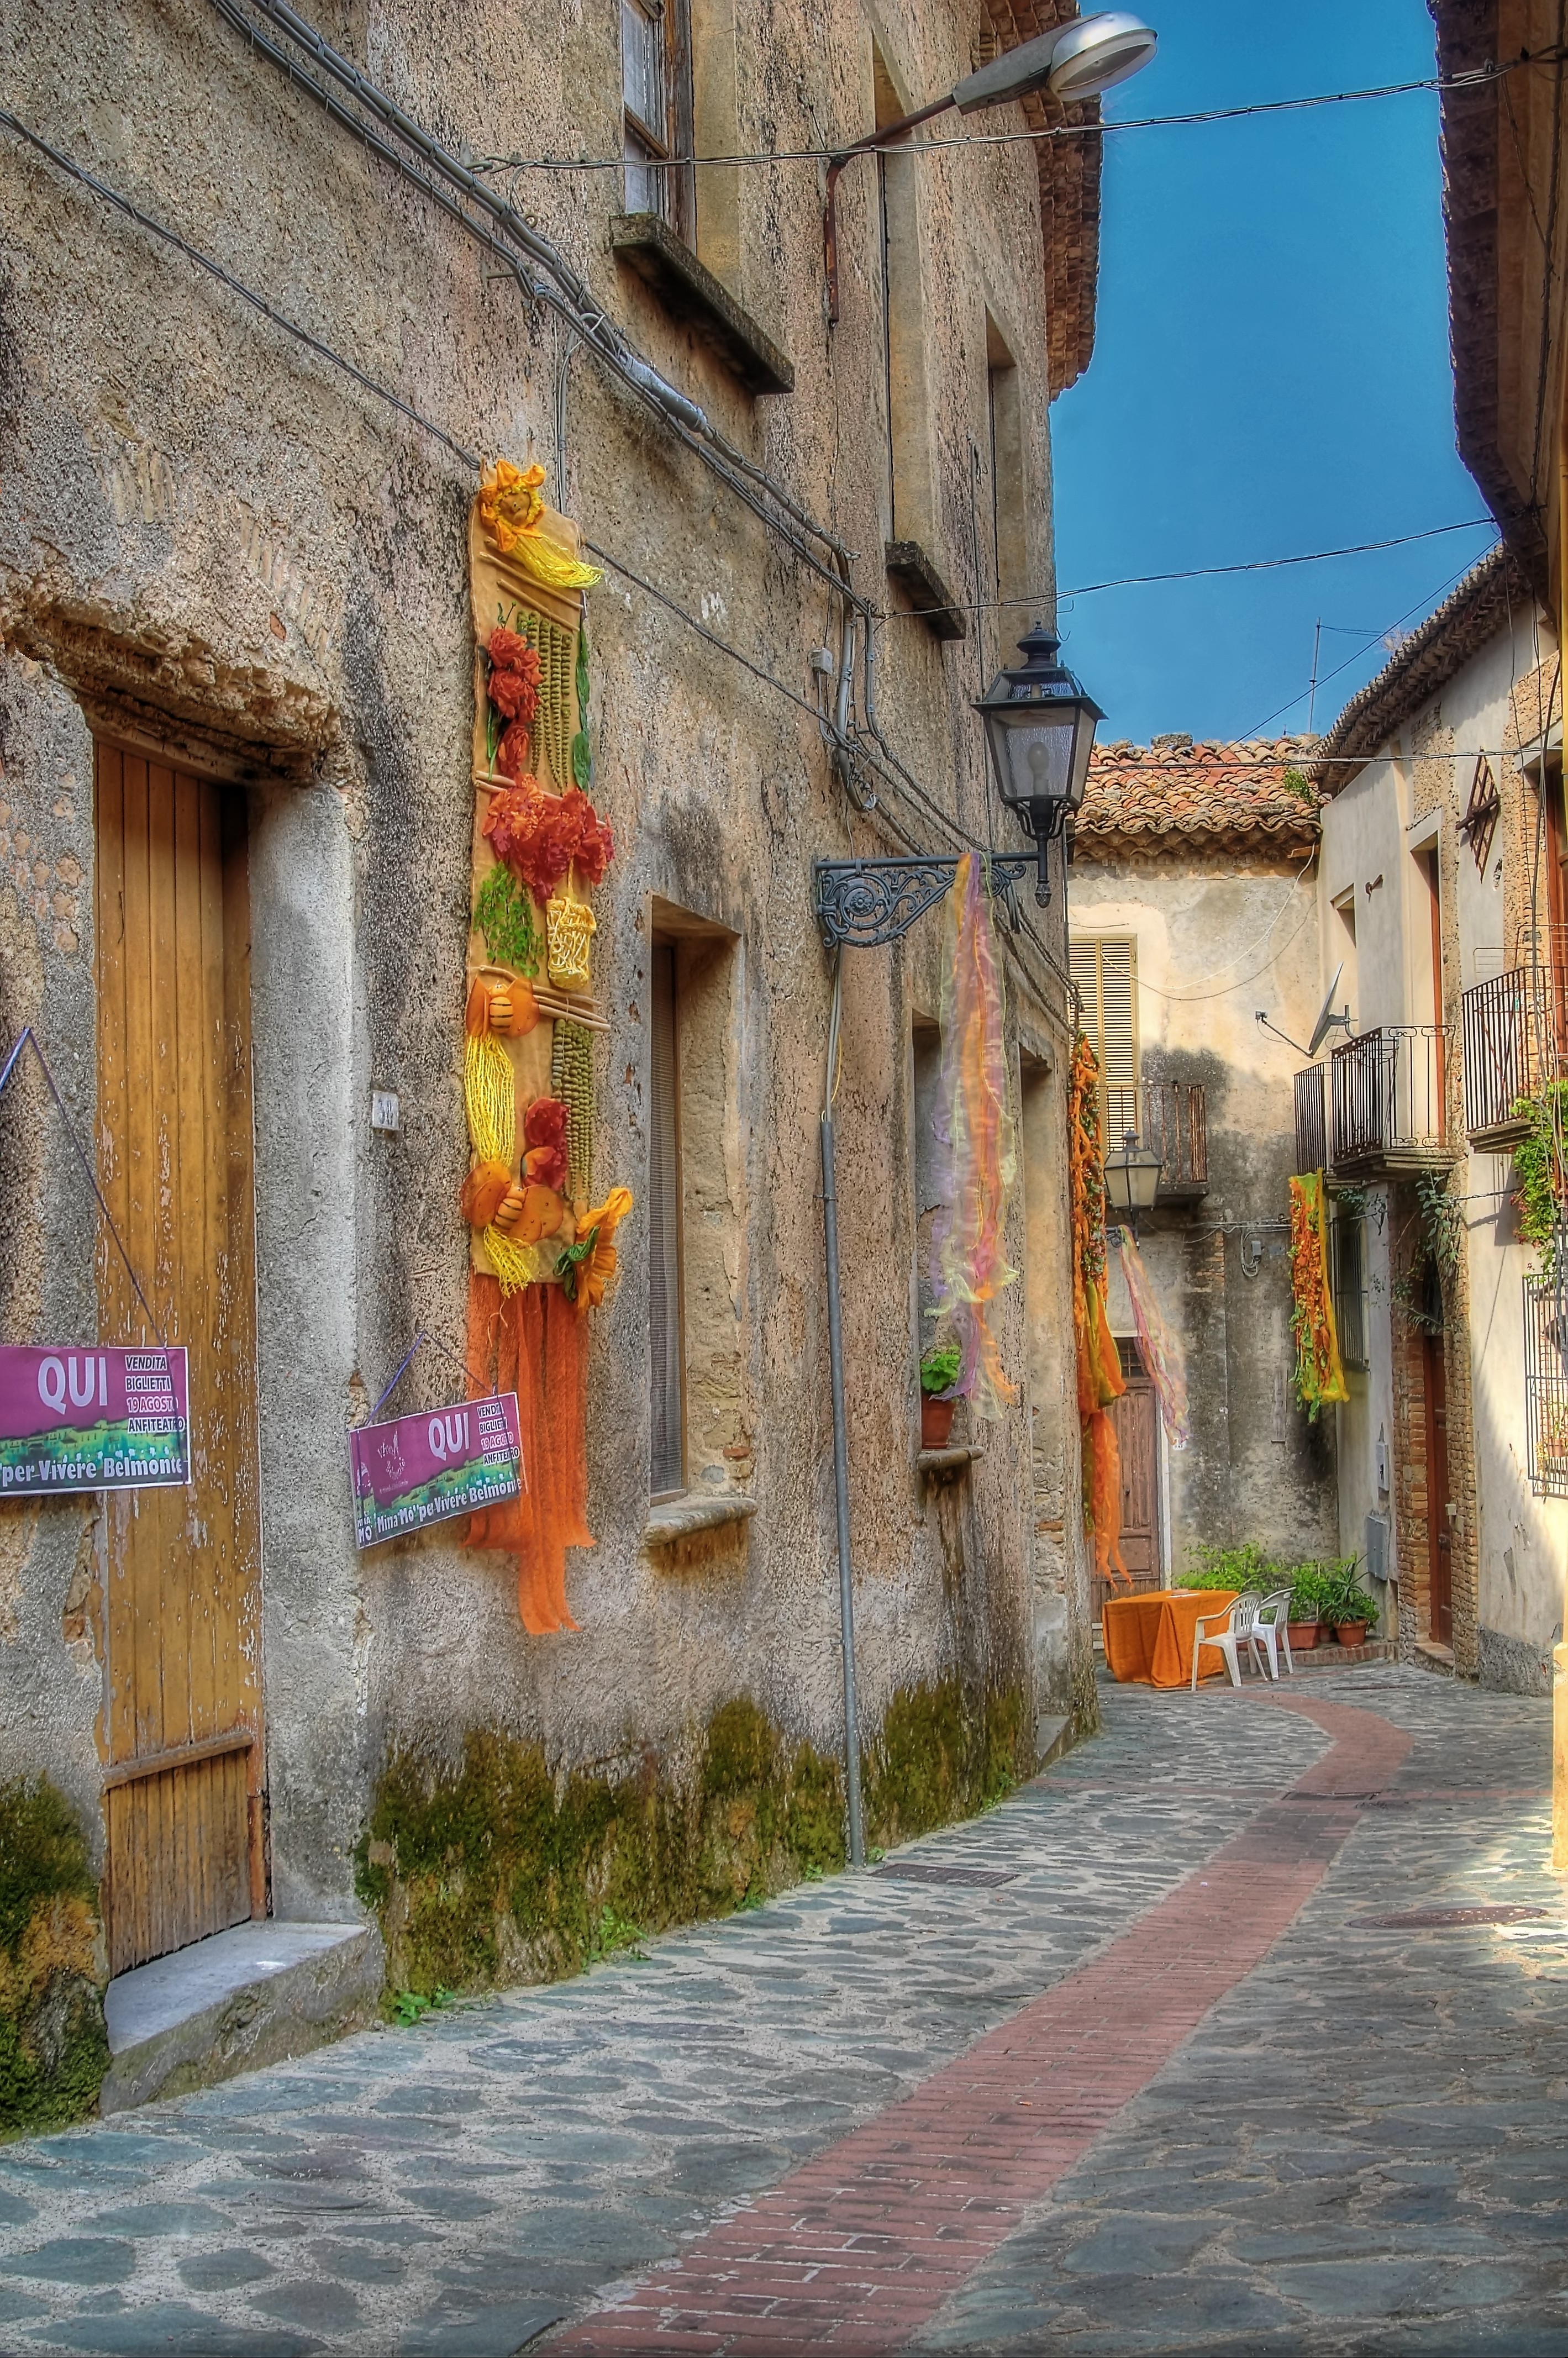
[
  {"x": 1077, "y": 60},
  {"x": 1040, "y": 725},
  {"x": 1132, "y": 1179}
]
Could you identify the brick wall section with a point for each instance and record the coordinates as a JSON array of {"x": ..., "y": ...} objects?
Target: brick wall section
[{"x": 859, "y": 2248}]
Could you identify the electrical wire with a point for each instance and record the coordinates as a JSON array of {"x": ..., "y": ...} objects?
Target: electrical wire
[
  {"x": 226, "y": 278},
  {"x": 1479, "y": 79}
]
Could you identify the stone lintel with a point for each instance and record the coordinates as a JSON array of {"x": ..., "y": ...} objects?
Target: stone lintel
[{"x": 911, "y": 569}]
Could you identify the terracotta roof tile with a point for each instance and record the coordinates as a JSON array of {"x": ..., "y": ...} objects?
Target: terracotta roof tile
[{"x": 1172, "y": 792}]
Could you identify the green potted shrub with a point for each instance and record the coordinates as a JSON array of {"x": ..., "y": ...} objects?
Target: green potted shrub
[
  {"x": 1348, "y": 1610},
  {"x": 1308, "y": 1589},
  {"x": 938, "y": 1374},
  {"x": 1243, "y": 1569}
]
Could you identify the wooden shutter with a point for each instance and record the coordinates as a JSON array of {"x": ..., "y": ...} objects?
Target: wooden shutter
[
  {"x": 667, "y": 1470},
  {"x": 1105, "y": 971}
]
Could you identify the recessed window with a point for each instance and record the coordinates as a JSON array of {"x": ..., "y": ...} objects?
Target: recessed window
[
  {"x": 1010, "y": 546},
  {"x": 655, "y": 90},
  {"x": 1349, "y": 1241},
  {"x": 666, "y": 1466}
]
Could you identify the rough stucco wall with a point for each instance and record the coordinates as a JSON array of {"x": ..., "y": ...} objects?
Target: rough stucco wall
[
  {"x": 1218, "y": 937},
  {"x": 206, "y": 534}
]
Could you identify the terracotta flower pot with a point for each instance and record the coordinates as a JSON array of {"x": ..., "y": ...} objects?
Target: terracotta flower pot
[
  {"x": 1350, "y": 1633},
  {"x": 936, "y": 1422},
  {"x": 1302, "y": 1634}
]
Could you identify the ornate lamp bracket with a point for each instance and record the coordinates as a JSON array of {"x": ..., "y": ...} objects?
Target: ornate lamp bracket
[{"x": 863, "y": 903}]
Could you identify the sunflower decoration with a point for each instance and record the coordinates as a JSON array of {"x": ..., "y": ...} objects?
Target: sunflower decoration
[
  {"x": 589, "y": 1263},
  {"x": 510, "y": 510}
]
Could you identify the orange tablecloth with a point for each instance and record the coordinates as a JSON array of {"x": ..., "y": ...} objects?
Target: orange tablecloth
[{"x": 1149, "y": 1640}]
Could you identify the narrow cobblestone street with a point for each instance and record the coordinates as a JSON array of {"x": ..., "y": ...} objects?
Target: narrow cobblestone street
[{"x": 1146, "y": 2075}]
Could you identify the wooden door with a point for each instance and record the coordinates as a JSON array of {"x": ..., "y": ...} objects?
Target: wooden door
[
  {"x": 1135, "y": 1418},
  {"x": 1439, "y": 1523},
  {"x": 182, "y": 1578}
]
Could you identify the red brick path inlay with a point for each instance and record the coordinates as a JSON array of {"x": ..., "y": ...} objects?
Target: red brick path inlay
[{"x": 858, "y": 2248}]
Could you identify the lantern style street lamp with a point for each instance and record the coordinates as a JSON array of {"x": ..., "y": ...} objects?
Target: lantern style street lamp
[
  {"x": 1132, "y": 1179},
  {"x": 1040, "y": 725}
]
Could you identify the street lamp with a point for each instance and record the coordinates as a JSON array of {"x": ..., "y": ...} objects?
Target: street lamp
[
  {"x": 1040, "y": 725},
  {"x": 1079, "y": 59},
  {"x": 1132, "y": 1179}
]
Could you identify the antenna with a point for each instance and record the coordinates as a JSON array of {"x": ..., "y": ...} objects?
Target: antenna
[{"x": 1327, "y": 1021}]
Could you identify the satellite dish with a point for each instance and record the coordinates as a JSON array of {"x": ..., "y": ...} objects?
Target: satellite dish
[{"x": 1326, "y": 1019}]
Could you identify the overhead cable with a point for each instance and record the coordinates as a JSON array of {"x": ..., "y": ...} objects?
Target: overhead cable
[{"x": 1473, "y": 82}]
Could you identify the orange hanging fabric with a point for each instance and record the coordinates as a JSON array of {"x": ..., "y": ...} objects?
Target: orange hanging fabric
[
  {"x": 1100, "y": 1379},
  {"x": 532, "y": 1344}
]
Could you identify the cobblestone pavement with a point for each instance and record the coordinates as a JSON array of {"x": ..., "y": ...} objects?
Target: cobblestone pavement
[{"x": 1349, "y": 2141}]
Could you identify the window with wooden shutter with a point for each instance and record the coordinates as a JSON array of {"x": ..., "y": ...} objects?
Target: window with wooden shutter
[
  {"x": 1105, "y": 971},
  {"x": 656, "y": 100},
  {"x": 666, "y": 1469}
]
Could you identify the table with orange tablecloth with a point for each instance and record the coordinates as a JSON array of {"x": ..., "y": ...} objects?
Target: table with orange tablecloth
[{"x": 1148, "y": 1639}]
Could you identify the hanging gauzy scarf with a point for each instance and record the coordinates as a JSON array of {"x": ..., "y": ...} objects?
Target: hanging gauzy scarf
[
  {"x": 977, "y": 1156},
  {"x": 1319, "y": 1377},
  {"x": 1159, "y": 1349}
]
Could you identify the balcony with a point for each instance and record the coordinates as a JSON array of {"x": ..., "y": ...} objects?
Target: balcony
[
  {"x": 1170, "y": 1117},
  {"x": 1311, "y": 1119},
  {"x": 1385, "y": 1103},
  {"x": 1512, "y": 1049}
]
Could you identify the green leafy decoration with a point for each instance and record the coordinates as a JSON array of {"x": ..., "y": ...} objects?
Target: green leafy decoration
[
  {"x": 1539, "y": 1175},
  {"x": 504, "y": 913}
]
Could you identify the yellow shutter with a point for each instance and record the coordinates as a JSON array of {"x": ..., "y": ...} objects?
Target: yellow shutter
[{"x": 1105, "y": 971}]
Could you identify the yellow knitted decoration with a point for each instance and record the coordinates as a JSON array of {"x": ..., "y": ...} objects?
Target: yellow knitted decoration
[
  {"x": 510, "y": 510},
  {"x": 491, "y": 1095},
  {"x": 571, "y": 928}
]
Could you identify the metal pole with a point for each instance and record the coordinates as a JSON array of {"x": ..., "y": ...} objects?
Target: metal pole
[{"x": 840, "y": 1442}]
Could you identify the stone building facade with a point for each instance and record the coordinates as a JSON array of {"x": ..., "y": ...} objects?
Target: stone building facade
[
  {"x": 1193, "y": 908},
  {"x": 1442, "y": 800},
  {"x": 271, "y": 296}
]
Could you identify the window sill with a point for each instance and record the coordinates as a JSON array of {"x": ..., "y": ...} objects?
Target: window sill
[
  {"x": 909, "y": 568},
  {"x": 946, "y": 1464},
  {"x": 682, "y": 1518},
  {"x": 647, "y": 244}
]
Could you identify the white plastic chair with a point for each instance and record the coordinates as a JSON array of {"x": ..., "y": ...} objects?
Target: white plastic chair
[
  {"x": 1231, "y": 1631},
  {"x": 1273, "y": 1615}
]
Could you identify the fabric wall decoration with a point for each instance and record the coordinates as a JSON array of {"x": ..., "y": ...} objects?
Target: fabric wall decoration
[
  {"x": 1100, "y": 1379},
  {"x": 977, "y": 1158},
  {"x": 542, "y": 1252},
  {"x": 1318, "y": 1375},
  {"x": 1158, "y": 1345}
]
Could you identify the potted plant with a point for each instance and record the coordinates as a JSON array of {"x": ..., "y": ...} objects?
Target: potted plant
[
  {"x": 1306, "y": 1624},
  {"x": 1348, "y": 1610},
  {"x": 938, "y": 1374}
]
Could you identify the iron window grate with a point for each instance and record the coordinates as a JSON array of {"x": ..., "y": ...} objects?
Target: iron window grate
[{"x": 1546, "y": 1387}]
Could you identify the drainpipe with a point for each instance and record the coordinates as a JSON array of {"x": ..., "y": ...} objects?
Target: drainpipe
[{"x": 840, "y": 1441}]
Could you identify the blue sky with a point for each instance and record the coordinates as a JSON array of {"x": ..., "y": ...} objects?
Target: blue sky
[{"x": 1270, "y": 373}]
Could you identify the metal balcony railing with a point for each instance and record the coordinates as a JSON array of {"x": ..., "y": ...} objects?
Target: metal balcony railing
[
  {"x": 1385, "y": 1098},
  {"x": 1311, "y": 1119},
  {"x": 1512, "y": 1027},
  {"x": 1171, "y": 1118}
]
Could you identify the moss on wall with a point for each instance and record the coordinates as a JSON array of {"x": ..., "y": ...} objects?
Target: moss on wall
[
  {"x": 54, "y": 2051},
  {"x": 503, "y": 1871},
  {"x": 941, "y": 1754}
]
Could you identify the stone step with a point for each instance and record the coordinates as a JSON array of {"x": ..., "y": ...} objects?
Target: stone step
[{"x": 257, "y": 1994}]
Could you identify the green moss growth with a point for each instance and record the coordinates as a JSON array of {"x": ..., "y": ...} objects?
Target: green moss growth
[
  {"x": 940, "y": 1755},
  {"x": 53, "y": 2048},
  {"x": 504, "y": 1872}
]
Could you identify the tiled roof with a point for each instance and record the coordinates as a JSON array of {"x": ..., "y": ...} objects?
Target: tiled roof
[
  {"x": 1493, "y": 596},
  {"x": 1172, "y": 794},
  {"x": 1069, "y": 190}
]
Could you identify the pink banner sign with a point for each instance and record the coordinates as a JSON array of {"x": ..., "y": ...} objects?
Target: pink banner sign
[
  {"x": 98, "y": 1418},
  {"x": 416, "y": 1470}
]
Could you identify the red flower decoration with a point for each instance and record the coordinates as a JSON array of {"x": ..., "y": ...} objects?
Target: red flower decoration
[
  {"x": 512, "y": 753},
  {"x": 545, "y": 1123}
]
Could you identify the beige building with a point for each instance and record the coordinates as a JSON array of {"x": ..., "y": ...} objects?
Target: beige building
[
  {"x": 270, "y": 305},
  {"x": 1193, "y": 907},
  {"x": 1442, "y": 836}
]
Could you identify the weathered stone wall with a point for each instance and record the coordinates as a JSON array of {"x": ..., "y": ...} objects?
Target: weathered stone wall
[
  {"x": 1220, "y": 935},
  {"x": 215, "y": 542}
]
